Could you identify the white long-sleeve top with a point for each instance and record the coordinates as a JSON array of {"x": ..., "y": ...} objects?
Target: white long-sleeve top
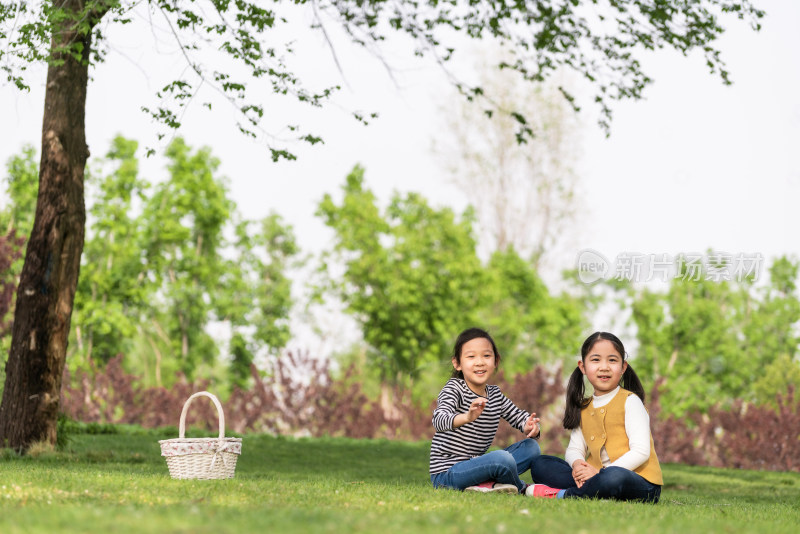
[{"x": 637, "y": 426}]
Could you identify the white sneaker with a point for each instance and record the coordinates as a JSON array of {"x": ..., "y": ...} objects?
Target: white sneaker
[{"x": 495, "y": 487}]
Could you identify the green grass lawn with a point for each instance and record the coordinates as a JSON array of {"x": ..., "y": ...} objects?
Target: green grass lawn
[{"x": 119, "y": 483}]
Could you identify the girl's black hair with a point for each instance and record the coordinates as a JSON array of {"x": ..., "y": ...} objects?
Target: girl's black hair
[
  {"x": 576, "y": 391},
  {"x": 466, "y": 336}
]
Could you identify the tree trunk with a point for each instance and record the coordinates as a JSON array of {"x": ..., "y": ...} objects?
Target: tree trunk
[
  {"x": 389, "y": 404},
  {"x": 31, "y": 398}
]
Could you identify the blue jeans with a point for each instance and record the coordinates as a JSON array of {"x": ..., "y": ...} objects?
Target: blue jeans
[
  {"x": 610, "y": 483},
  {"x": 500, "y": 466}
]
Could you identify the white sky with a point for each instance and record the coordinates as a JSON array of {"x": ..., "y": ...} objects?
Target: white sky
[{"x": 694, "y": 165}]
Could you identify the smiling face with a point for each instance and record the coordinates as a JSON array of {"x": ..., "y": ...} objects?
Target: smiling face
[
  {"x": 477, "y": 363},
  {"x": 603, "y": 366}
]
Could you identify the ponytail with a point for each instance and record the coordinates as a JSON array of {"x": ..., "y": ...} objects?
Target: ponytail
[
  {"x": 576, "y": 400},
  {"x": 632, "y": 383}
]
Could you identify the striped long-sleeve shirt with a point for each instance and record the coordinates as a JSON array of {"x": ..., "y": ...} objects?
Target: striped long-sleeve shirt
[{"x": 450, "y": 446}]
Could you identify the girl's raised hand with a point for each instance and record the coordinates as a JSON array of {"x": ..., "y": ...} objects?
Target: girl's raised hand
[
  {"x": 476, "y": 409},
  {"x": 532, "y": 428}
]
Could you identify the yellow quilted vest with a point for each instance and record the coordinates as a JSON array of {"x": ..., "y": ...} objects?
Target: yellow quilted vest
[{"x": 606, "y": 427}]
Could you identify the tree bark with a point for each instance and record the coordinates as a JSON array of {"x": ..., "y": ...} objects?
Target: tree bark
[{"x": 31, "y": 398}]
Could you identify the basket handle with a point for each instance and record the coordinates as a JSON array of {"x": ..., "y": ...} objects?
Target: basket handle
[{"x": 182, "y": 430}]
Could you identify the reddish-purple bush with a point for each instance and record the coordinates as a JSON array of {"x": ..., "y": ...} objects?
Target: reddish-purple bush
[
  {"x": 760, "y": 437},
  {"x": 111, "y": 395},
  {"x": 540, "y": 391},
  {"x": 300, "y": 397},
  {"x": 745, "y": 436}
]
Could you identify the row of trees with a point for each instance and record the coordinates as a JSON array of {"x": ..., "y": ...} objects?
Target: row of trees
[
  {"x": 709, "y": 342},
  {"x": 162, "y": 261},
  {"x": 412, "y": 279},
  {"x": 166, "y": 259},
  {"x": 229, "y": 46}
]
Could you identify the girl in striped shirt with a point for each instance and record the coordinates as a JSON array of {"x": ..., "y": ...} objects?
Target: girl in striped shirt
[{"x": 466, "y": 418}]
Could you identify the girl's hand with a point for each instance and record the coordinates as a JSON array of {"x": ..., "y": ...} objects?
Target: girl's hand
[
  {"x": 582, "y": 471},
  {"x": 476, "y": 409},
  {"x": 532, "y": 428}
]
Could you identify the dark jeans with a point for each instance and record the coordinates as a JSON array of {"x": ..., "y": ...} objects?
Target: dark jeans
[
  {"x": 500, "y": 466},
  {"x": 610, "y": 483}
]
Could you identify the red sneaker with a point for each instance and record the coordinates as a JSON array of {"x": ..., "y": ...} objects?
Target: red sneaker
[
  {"x": 492, "y": 486},
  {"x": 540, "y": 490}
]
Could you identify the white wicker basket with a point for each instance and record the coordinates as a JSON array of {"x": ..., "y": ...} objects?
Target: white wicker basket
[{"x": 203, "y": 458}]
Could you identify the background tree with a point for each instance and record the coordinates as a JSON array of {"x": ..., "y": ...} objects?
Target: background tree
[
  {"x": 710, "y": 341},
  {"x": 10, "y": 253},
  {"x": 772, "y": 336},
  {"x": 138, "y": 252},
  {"x": 257, "y": 297},
  {"x": 527, "y": 321},
  {"x": 411, "y": 277},
  {"x": 523, "y": 193},
  {"x": 262, "y": 297},
  {"x": 112, "y": 291},
  {"x": 16, "y": 219},
  {"x": 22, "y": 187},
  {"x": 69, "y": 37},
  {"x": 183, "y": 235}
]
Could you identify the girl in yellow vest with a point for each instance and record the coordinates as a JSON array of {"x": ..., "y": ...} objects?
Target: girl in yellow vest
[{"x": 610, "y": 453}]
